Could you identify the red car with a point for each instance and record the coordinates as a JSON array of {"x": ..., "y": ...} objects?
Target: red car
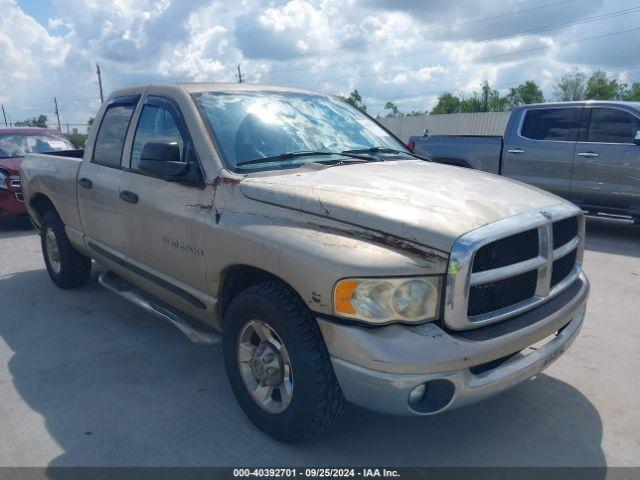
[{"x": 14, "y": 144}]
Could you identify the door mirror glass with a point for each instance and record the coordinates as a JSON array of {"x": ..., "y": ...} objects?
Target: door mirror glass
[
  {"x": 636, "y": 139},
  {"x": 162, "y": 159}
]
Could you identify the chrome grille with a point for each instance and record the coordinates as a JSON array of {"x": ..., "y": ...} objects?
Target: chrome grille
[
  {"x": 507, "y": 251},
  {"x": 510, "y": 266}
]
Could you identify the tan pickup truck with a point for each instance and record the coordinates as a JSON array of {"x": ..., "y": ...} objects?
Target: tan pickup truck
[{"x": 329, "y": 261}]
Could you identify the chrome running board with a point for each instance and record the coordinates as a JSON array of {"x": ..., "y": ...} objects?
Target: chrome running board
[{"x": 128, "y": 291}]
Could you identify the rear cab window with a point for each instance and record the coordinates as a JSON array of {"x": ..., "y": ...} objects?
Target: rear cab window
[
  {"x": 555, "y": 124},
  {"x": 113, "y": 131},
  {"x": 611, "y": 125}
]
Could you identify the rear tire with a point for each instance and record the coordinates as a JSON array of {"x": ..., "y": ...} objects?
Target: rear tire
[
  {"x": 315, "y": 400},
  {"x": 67, "y": 267}
]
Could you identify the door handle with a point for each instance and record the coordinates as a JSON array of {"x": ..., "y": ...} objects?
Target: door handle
[
  {"x": 588, "y": 154},
  {"x": 85, "y": 183},
  {"x": 515, "y": 150},
  {"x": 128, "y": 196}
]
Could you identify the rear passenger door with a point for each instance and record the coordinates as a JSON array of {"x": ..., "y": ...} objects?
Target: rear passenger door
[
  {"x": 607, "y": 167},
  {"x": 540, "y": 150},
  {"x": 100, "y": 177}
]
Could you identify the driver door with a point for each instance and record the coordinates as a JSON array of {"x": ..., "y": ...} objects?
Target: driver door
[
  {"x": 606, "y": 171},
  {"x": 167, "y": 232}
]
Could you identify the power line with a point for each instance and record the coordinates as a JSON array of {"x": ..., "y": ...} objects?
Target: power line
[
  {"x": 488, "y": 57},
  {"x": 421, "y": 32},
  {"x": 596, "y": 18}
]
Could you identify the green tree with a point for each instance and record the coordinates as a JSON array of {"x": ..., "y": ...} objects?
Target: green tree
[
  {"x": 524, "y": 94},
  {"x": 600, "y": 87},
  {"x": 392, "y": 110},
  {"x": 447, "y": 103},
  {"x": 40, "y": 121},
  {"x": 631, "y": 94},
  {"x": 356, "y": 100},
  {"x": 77, "y": 139},
  {"x": 570, "y": 87},
  {"x": 471, "y": 104}
]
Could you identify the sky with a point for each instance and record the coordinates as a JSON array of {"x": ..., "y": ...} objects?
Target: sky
[{"x": 404, "y": 51}]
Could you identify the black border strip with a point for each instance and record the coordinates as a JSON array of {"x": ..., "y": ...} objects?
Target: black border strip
[{"x": 149, "y": 276}]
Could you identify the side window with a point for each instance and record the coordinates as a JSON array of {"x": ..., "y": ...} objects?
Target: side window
[
  {"x": 551, "y": 124},
  {"x": 111, "y": 136},
  {"x": 611, "y": 125},
  {"x": 156, "y": 124}
]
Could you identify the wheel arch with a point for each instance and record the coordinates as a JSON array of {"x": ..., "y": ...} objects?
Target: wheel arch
[
  {"x": 40, "y": 204},
  {"x": 236, "y": 278}
]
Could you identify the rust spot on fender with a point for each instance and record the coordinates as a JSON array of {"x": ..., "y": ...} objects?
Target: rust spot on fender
[
  {"x": 391, "y": 241},
  {"x": 201, "y": 205},
  {"x": 231, "y": 181}
]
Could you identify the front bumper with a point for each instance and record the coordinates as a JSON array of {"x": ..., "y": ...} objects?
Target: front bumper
[
  {"x": 378, "y": 368},
  {"x": 11, "y": 203}
]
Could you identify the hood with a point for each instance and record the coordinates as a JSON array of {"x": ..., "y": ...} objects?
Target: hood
[
  {"x": 11, "y": 164},
  {"x": 423, "y": 202}
]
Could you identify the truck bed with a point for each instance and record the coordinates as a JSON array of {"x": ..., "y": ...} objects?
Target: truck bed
[
  {"x": 470, "y": 151},
  {"x": 54, "y": 174}
]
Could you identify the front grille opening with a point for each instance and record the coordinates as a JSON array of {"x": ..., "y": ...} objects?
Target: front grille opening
[
  {"x": 492, "y": 296},
  {"x": 507, "y": 251},
  {"x": 562, "y": 268},
  {"x": 564, "y": 231}
]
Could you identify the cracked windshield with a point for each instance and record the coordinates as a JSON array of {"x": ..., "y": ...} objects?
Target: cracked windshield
[{"x": 249, "y": 126}]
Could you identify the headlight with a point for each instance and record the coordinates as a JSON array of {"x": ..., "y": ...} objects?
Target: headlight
[
  {"x": 4, "y": 181},
  {"x": 385, "y": 300}
]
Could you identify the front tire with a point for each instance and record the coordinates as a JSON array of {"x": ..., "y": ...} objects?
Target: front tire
[
  {"x": 278, "y": 365},
  {"x": 67, "y": 267}
]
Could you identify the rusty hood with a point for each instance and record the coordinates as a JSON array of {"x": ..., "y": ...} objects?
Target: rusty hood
[{"x": 422, "y": 202}]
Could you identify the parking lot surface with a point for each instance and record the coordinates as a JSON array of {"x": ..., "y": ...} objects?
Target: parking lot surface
[{"x": 87, "y": 379}]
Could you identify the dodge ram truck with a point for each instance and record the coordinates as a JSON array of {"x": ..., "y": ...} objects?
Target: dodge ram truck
[
  {"x": 586, "y": 152},
  {"x": 328, "y": 261}
]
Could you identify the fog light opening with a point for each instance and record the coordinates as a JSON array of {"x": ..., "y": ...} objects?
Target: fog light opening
[
  {"x": 417, "y": 394},
  {"x": 431, "y": 396}
]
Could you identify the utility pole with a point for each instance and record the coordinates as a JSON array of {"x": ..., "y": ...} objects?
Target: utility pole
[
  {"x": 240, "y": 80},
  {"x": 100, "y": 82},
  {"x": 55, "y": 102},
  {"x": 5, "y": 116}
]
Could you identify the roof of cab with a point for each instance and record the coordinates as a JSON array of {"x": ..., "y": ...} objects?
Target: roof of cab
[
  {"x": 583, "y": 103},
  {"x": 29, "y": 131},
  {"x": 197, "y": 87}
]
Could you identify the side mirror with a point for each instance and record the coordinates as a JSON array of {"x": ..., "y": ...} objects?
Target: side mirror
[
  {"x": 425, "y": 132},
  {"x": 162, "y": 159},
  {"x": 636, "y": 139}
]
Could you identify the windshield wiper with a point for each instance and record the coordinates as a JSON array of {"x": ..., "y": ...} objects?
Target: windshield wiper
[
  {"x": 385, "y": 150},
  {"x": 301, "y": 153}
]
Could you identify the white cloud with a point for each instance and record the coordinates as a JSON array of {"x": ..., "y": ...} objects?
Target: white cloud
[{"x": 398, "y": 50}]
